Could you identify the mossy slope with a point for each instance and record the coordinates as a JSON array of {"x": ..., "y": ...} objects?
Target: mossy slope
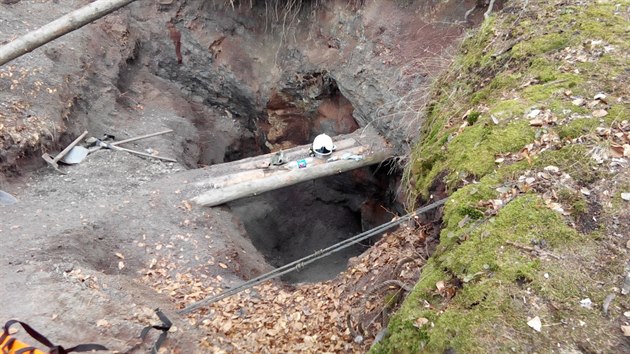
[{"x": 509, "y": 107}]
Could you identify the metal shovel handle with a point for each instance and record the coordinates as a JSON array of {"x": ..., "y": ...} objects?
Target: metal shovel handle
[{"x": 133, "y": 139}]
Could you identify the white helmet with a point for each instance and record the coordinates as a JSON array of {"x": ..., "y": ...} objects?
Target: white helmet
[{"x": 323, "y": 145}]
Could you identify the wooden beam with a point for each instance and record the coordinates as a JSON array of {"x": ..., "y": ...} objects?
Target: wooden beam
[
  {"x": 294, "y": 153},
  {"x": 235, "y": 178},
  {"x": 65, "y": 24},
  {"x": 261, "y": 169},
  {"x": 275, "y": 181}
]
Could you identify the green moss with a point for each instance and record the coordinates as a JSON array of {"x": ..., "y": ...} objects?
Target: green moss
[
  {"x": 472, "y": 117},
  {"x": 579, "y": 207},
  {"x": 523, "y": 220},
  {"x": 543, "y": 70},
  {"x": 499, "y": 82},
  {"x": 473, "y": 151},
  {"x": 464, "y": 201},
  {"x": 484, "y": 263},
  {"x": 471, "y": 212},
  {"x": 572, "y": 159},
  {"x": 617, "y": 202},
  {"x": 573, "y": 200},
  {"x": 474, "y": 56},
  {"x": 469, "y": 154},
  {"x": 404, "y": 336},
  {"x": 451, "y": 331},
  {"x": 599, "y": 22},
  {"x": 551, "y": 87},
  {"x": 540, "y": 45},
  {"x": 577, "y": 128},
  {"x": 508, "y": 109},
  {"x": 618, "y": 112},
  {"x": 478, "y": 254},
  {"x": 583, "y": 126}
]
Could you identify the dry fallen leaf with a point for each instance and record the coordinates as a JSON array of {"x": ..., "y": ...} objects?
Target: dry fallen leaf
[
  {"x": 535, "y": 323},
  {"x": 616, "y": 150},
  {"x": 552, "y": 169},
  {"x": 102, "y": 323},
  {"x": 420, "y": 322},
  {"x": 121, "y": 265},
  {"x": 533, "y": 113},
  {"x": 119, "y": 255},
  {"x": 440, "y": 285},
  {"x": 222, "y": 265},
  {"x": 578, "y": 102},
  {"x": 186, "y": 205},
  {"x": 626, "y": 331},
  {"x": 467, "y": 113},
  {"x": 593, "y": 103},
  {"x": 525, "y": 153},
  {"x": 152, "y": 263},
  {"x": 226, "y": 326}
]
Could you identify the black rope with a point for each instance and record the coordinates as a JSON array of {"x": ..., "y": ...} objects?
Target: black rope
[
  {"x": 164, "y": 327},
  {"x": 303, "y": 262},
  {"x": 52, "y": 349}
]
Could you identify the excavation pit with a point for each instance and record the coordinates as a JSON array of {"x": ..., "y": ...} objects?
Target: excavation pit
[{"x": 291, "y": 223}]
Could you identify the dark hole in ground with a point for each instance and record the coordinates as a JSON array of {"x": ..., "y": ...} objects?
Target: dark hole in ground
[{"x": 293, "y": 222}]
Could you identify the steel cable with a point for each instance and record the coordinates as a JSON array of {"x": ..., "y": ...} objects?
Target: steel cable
[{"x": 302, "y": 262}]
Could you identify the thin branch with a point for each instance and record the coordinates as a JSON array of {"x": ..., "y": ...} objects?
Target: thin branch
[
  {"x": 486, "y": 15},
  {"x": 59, "y": 27}
]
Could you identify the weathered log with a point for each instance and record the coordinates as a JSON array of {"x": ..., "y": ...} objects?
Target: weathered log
[
  {"x": 253, "y": 187},
  {"x": 295, "y": 153},
  {"x": 263, "y": 169},
  {"x": 53, "y": 30},
  {"x": 234, "y": 178}
]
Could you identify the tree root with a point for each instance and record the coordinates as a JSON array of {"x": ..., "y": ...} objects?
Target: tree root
[
  {"x": 486, "y": 15},
  {"x": 359, "y": 332},
  {"x": 534, "y": 251}
]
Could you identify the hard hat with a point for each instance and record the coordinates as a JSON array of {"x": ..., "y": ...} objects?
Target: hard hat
[{"x": 323, "y": 145}]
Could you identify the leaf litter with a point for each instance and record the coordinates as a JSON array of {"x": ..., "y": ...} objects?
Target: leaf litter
[{"x": 319, "y": 317}]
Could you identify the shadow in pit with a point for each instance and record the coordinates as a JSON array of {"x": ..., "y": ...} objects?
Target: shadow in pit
[{"x": 294, "y": 222}]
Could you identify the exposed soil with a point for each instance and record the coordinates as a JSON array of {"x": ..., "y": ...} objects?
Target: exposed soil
[{"x": 99, "y": 247}]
